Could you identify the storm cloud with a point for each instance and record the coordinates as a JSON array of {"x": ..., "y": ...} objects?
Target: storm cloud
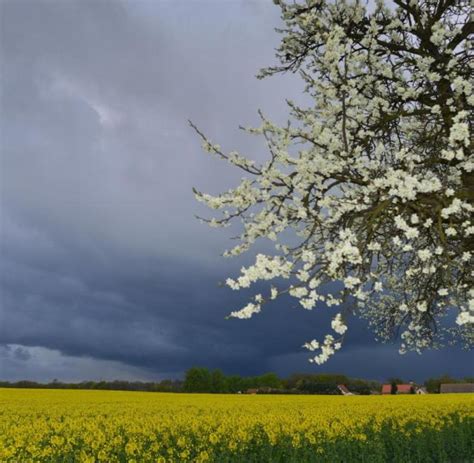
[{"x": 105, "y": 272}]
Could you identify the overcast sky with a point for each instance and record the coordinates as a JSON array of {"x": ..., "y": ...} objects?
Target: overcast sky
[{"x": 105, "y": 272}]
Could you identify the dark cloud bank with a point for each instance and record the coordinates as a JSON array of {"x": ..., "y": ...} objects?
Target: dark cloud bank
[{"x": 105, "y": 273}]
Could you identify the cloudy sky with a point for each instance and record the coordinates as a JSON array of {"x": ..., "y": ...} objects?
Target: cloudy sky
[{"x": 104, "y": 271}]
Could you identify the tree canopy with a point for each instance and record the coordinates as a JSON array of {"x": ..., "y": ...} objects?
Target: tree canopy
[{"x": 374, "y": 178}]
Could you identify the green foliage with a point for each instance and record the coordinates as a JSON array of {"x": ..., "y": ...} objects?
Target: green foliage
[
  {"x": 218, "y": 382},
  {"x": 326, "y": 383},
  {"x": 197, "y": 380},
  {"x": 395, "y": 380},
  {"x": 394, "y": 388},
  {"x": 200, "y": 379},
  {"x": 166, "y": 385},
  {"x": 362, "y": 387},
  {"x": 270, "y": 380},
  {"x": 215, "y": 381},
  {"x": 235, "y": 383},
  {"x": 304, "y": 382}
]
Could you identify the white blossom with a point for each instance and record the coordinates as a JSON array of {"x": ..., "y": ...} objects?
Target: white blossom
[
  {"x": 351, "y": 281},
  {"x": 424, "y": 254},
  {"x": 367, "y": 188},
  {"x": 274, "y": 293},
  {"x": 422, "y": 306},
  {"x": 247, "y": 311},
  {"x": 337, "y": 324}
]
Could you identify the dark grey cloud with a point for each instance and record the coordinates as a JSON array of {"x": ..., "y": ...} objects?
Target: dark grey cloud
[{"x": 104, "y": 270}]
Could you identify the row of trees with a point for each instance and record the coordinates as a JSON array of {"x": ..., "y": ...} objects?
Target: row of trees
[
  {"x": 327, "y": 384},
  {"x": 167, "y": 385},
  {"x": 200, "y": 379},
  {"x": 203, "y": 380}
]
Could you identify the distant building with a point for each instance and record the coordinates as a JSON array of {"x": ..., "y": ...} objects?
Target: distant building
[
  {"x": 405, "y": 388},
  {"x": 343, "y": 389},
  {"x": 401, "y": 388},
  {"x": 263, "y": 390},
  {"x": 458, "y": 387},
  {"x": 421, "y": 390}
]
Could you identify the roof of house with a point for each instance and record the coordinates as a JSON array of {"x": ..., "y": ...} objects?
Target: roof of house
[
  {"x": 407, "y": 388},
  {"x": 461, "y": 387},
  {"x": 401, "y": 388},
  {"x": 343, "y": 389}
]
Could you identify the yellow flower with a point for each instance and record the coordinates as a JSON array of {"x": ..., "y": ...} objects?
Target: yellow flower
[
  {"x": 213, "y": 438},
  {"x": 103, "y": 426}
]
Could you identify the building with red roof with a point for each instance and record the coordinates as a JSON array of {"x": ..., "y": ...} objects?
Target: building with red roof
[{"x": 401, "y": 388}]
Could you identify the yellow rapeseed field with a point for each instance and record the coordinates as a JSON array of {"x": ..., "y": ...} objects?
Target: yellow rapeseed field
[{"x": 112, "y": 426}]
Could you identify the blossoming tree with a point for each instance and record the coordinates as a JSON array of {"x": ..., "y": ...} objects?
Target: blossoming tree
[{"x": 375, "y": 178}]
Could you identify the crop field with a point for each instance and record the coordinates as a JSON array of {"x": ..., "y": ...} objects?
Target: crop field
[{"x": 111, "y": 426}]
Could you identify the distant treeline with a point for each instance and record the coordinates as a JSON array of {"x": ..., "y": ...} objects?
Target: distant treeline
[
  {"x": 200, "y": 379},
  {"x": 204, "y": 380},
  {"x": 166, "y": 385}
]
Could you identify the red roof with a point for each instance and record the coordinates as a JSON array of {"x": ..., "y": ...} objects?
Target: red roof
[
  {"x": 386, "y": 389},
  {"x": 404, "y": 388},
  {"x": 401, "y": 388}
]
